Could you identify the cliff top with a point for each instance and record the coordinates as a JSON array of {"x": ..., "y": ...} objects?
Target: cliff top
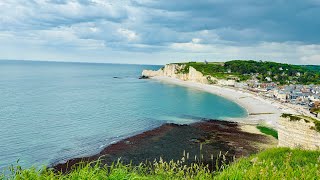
[{"x": 264, "y": 71}]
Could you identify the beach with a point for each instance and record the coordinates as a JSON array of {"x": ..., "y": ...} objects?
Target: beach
[{"x": 260, "y": 110}]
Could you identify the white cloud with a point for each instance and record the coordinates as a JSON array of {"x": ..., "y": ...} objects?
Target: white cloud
[
  {"x": 216, "y": 30},
  {"x": 313, "y": 59},
  {"x": 128, "y": 34},
  {"x": 192, "y": 46}
]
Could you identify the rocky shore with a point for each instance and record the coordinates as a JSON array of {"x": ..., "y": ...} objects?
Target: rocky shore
[{"x": 171, "y": 142}]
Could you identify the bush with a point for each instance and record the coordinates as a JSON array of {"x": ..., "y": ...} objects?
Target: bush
[{"x": 268, "y": 131}]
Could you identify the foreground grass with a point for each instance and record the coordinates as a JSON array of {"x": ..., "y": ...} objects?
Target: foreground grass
[
  {"x": 278, "y": 163},
  {"x": 268, "y": 131}
]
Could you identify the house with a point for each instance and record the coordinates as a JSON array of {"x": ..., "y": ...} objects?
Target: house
[
  {"x": 294, "y": 96},
  {"x": 281, "y": 95},
  {"x": 303, "y": 98},
  {"x": 241, "y": 85},
  {"x": 253, "y": 83},
  {"x": 270, "y": 88},
  {"x": 305, "y": 90},
  {"x": 314, "y": 98}
]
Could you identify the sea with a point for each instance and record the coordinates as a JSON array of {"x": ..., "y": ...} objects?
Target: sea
[{"x": 53, "y": 111}]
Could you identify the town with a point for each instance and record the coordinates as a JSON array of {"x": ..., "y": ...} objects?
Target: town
[
  {"x": 295, "y": 86},
  {"x": 304, "y": 98}
]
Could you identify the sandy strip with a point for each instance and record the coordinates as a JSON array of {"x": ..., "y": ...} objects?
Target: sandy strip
[{"x": 260, "y": 110}]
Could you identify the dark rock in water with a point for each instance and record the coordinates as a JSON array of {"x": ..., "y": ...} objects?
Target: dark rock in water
[
  {"x": 143, "y": 77},
  {"x": 171, "y": 141}
]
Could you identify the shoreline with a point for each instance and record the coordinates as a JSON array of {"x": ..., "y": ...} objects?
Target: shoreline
[
  {"x": 173, "y": 142},
  {"x": 260, "y": 110},
  {"x": 237, "y": 136}
]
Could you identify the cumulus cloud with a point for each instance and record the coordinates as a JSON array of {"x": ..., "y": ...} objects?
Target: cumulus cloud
[{"x": 280, "y": 30}]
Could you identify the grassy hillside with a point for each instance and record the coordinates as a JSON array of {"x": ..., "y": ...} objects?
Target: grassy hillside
[
  {"x": 278, "y": 163},
  {"x": 246, "y": 69}
]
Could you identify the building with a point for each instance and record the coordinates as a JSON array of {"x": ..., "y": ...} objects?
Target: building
[{"x": 280, "y": 95}]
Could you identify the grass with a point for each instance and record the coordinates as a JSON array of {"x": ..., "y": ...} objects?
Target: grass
[
  {"x": 268, "y": 131},
  {"x": 291, "y": 117},
  {"x": 277, "y": 163},
  {"x": 117, "y": 171}
]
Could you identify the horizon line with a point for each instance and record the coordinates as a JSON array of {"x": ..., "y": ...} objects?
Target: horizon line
[{"x": 81, "y": 62}]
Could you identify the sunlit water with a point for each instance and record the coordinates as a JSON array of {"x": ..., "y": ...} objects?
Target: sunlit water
[{"x": 50, "y": 112}]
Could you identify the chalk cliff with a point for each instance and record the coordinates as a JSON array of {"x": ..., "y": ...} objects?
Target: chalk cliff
[
  {"x": 298, "y": 134},
  {"x": 180, "y": 71}
]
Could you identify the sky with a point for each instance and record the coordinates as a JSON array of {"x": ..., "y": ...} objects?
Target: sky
[{"x": 160, "y": 31}]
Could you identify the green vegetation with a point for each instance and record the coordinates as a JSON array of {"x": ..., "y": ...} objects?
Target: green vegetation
[
  {"x": 268, "y": 131},
  {"x": 312, "y": 67},
  {"x": 217, "y": 70},
  {"x": 315, "y": 110},
  {"x": 117, "y": 171},
  {"x": 291, "y": 117},
  {"x": 277, "y": 163},
  {"x": 262, "y": 70},
  {"x": 317, "y": 125}
]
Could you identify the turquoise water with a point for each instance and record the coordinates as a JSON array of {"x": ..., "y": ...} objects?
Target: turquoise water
[{"x": 50, "y": 112}]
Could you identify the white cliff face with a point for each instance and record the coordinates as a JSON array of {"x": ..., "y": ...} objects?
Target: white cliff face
[
  {"x": 171, "y": 70},
  {"x": 298, "y": 134},
  {"x": 197, "y": 76},
  {"x": 150, "y": 73},
  {"x": 176, "y": 71}
]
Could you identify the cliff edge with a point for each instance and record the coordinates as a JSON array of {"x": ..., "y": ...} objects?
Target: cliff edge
[
  {"x": 297, "y": 131},
  {"x": 186, "y": 73}
]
